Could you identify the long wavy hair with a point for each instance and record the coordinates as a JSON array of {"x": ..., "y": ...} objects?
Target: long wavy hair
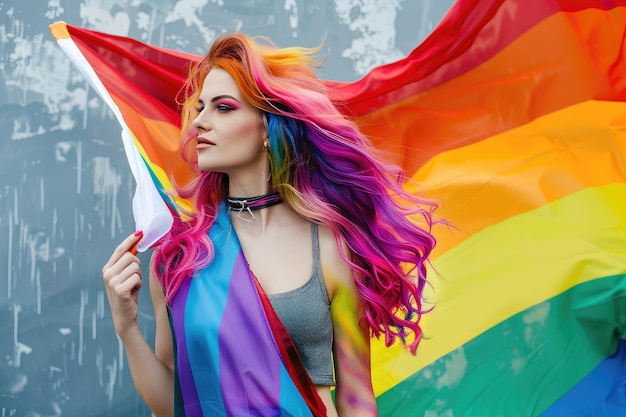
[{"x": 326, "y": 170}]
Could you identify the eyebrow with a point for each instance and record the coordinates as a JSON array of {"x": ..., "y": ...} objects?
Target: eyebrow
[{"x": 216, "y": 98}]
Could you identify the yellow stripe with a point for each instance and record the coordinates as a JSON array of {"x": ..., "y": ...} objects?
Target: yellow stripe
[
  {"x": 519, "y": 170},
  {"x": 159, "y": 173},
  {"x": 506, "y": 268},
  {"x": 157, "y": 169},
  {"x": 59, "y": 30}
]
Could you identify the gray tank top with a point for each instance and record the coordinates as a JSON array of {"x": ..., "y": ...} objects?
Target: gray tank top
[{"x": 305, "y": 313}]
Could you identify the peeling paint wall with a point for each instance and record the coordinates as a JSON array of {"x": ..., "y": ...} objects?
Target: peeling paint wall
[{"x": 65, "y": 189}]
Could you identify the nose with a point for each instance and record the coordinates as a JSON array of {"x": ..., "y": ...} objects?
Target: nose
[{"x": 201, "y": 122}]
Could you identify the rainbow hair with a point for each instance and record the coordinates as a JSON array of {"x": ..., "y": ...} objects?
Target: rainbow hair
[{"x": 326, "y": 170}]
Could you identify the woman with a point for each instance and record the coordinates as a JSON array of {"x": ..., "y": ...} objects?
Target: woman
[{"x": 297, "y": 250}]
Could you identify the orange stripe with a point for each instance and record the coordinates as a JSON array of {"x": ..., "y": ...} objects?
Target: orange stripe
[
  {"x": 509, "y": 90},
  {"x": 525, "y": 168},
  {"x": 59, "y": 30},
  {"x": 162, "y": 148}
]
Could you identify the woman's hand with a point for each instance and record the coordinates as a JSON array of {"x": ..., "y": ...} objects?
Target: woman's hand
[
  {"x": 122, "y": 280},
  {"x": 153, "y": 373}
]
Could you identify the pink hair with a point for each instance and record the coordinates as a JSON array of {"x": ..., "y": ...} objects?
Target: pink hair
[{"x": 327, "y": 171}]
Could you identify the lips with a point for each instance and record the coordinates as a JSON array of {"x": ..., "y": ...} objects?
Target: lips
[{"x": 203, "y": 143}]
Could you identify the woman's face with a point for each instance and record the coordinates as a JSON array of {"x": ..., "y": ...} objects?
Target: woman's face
[{"x": 231, "y": 135}]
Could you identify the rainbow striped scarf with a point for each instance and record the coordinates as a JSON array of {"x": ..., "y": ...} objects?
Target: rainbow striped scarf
[{"x": 233, "y": 355}]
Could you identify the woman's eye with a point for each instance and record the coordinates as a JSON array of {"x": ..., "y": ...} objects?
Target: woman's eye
[
  {"x": 199, "y": 109},
  {"x": 223, "y": 107}
]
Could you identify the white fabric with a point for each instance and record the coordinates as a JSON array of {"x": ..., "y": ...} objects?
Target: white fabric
[{"x": 150, "y": 212}]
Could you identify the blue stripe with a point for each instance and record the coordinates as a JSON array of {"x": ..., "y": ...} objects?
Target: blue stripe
[
  {"x": 602, "y": 393},
  {"x": 291, "y": 401},
  {"x": 206, "y": 299}
]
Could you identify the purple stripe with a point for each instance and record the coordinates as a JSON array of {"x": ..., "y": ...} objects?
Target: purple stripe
[
  {"x": 249, "y": 359},
  {"x": 183, "y": 367}
]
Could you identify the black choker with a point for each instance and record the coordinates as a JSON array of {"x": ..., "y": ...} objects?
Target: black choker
[{"x": 247, "y": 204}]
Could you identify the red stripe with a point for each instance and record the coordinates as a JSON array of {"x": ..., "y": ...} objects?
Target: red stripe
[
  {"x": 291, "y": 358},
  {"x": 472, "y": 32},
  {"x": 147, "y": 77}
]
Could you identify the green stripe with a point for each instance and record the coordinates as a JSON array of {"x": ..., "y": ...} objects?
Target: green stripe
[{"x": 524, "y": 364}]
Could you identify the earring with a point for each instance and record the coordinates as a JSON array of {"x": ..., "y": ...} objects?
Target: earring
[{"x": 266, "y": 146}]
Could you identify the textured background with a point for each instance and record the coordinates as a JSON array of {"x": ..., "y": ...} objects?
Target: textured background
[{"x": 65, "y": 187}]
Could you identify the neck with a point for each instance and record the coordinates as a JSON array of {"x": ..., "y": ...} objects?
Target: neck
[{"x": 245, "y": 205}]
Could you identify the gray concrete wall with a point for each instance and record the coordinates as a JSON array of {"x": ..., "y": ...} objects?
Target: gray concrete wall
[{"x": 65, "y": 188}]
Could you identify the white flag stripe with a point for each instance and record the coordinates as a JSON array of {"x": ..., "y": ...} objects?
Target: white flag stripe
[{"x": 151, "y": 214}]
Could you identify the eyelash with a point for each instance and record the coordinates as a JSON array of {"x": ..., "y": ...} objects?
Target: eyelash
[
  {"x": 219, "y": 107},
  {"x": 223, "y": 107}
]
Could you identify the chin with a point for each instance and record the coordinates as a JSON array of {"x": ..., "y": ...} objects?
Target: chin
[
  {"x": 205, "y": 168},
  {"x": 205, "y": 165}
]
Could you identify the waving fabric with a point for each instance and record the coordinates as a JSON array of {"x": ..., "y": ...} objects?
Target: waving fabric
[
  {"x": 512, "y": 115},
  {"x": 221, "y": 322}
]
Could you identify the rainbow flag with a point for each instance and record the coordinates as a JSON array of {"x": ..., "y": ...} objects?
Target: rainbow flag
[
  {"x": 511, "y": 114},
  {"x": 207, "y": 316}
]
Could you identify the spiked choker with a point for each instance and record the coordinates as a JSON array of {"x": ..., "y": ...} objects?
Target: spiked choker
[{"x": 247, "y": 204}]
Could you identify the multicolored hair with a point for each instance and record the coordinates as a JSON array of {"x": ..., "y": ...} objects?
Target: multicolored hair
[{"x": 326, "y": 170}]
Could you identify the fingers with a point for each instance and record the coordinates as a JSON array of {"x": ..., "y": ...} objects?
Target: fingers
[
  {"x": 122, "y": 282},
  {"x": 133, "y": 249},
  {"x": 127, "y": 245},
  {"x": 127, "y": 268},
  {"x": 126, "y": 287}
]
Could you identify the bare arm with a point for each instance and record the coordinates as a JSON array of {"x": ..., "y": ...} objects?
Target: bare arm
[
  {"x": 152, "y": 371},
  {"x": 354, "y": 396}
]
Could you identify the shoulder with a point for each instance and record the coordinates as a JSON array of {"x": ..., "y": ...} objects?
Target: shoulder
[{"x": 333, "y": 254}]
